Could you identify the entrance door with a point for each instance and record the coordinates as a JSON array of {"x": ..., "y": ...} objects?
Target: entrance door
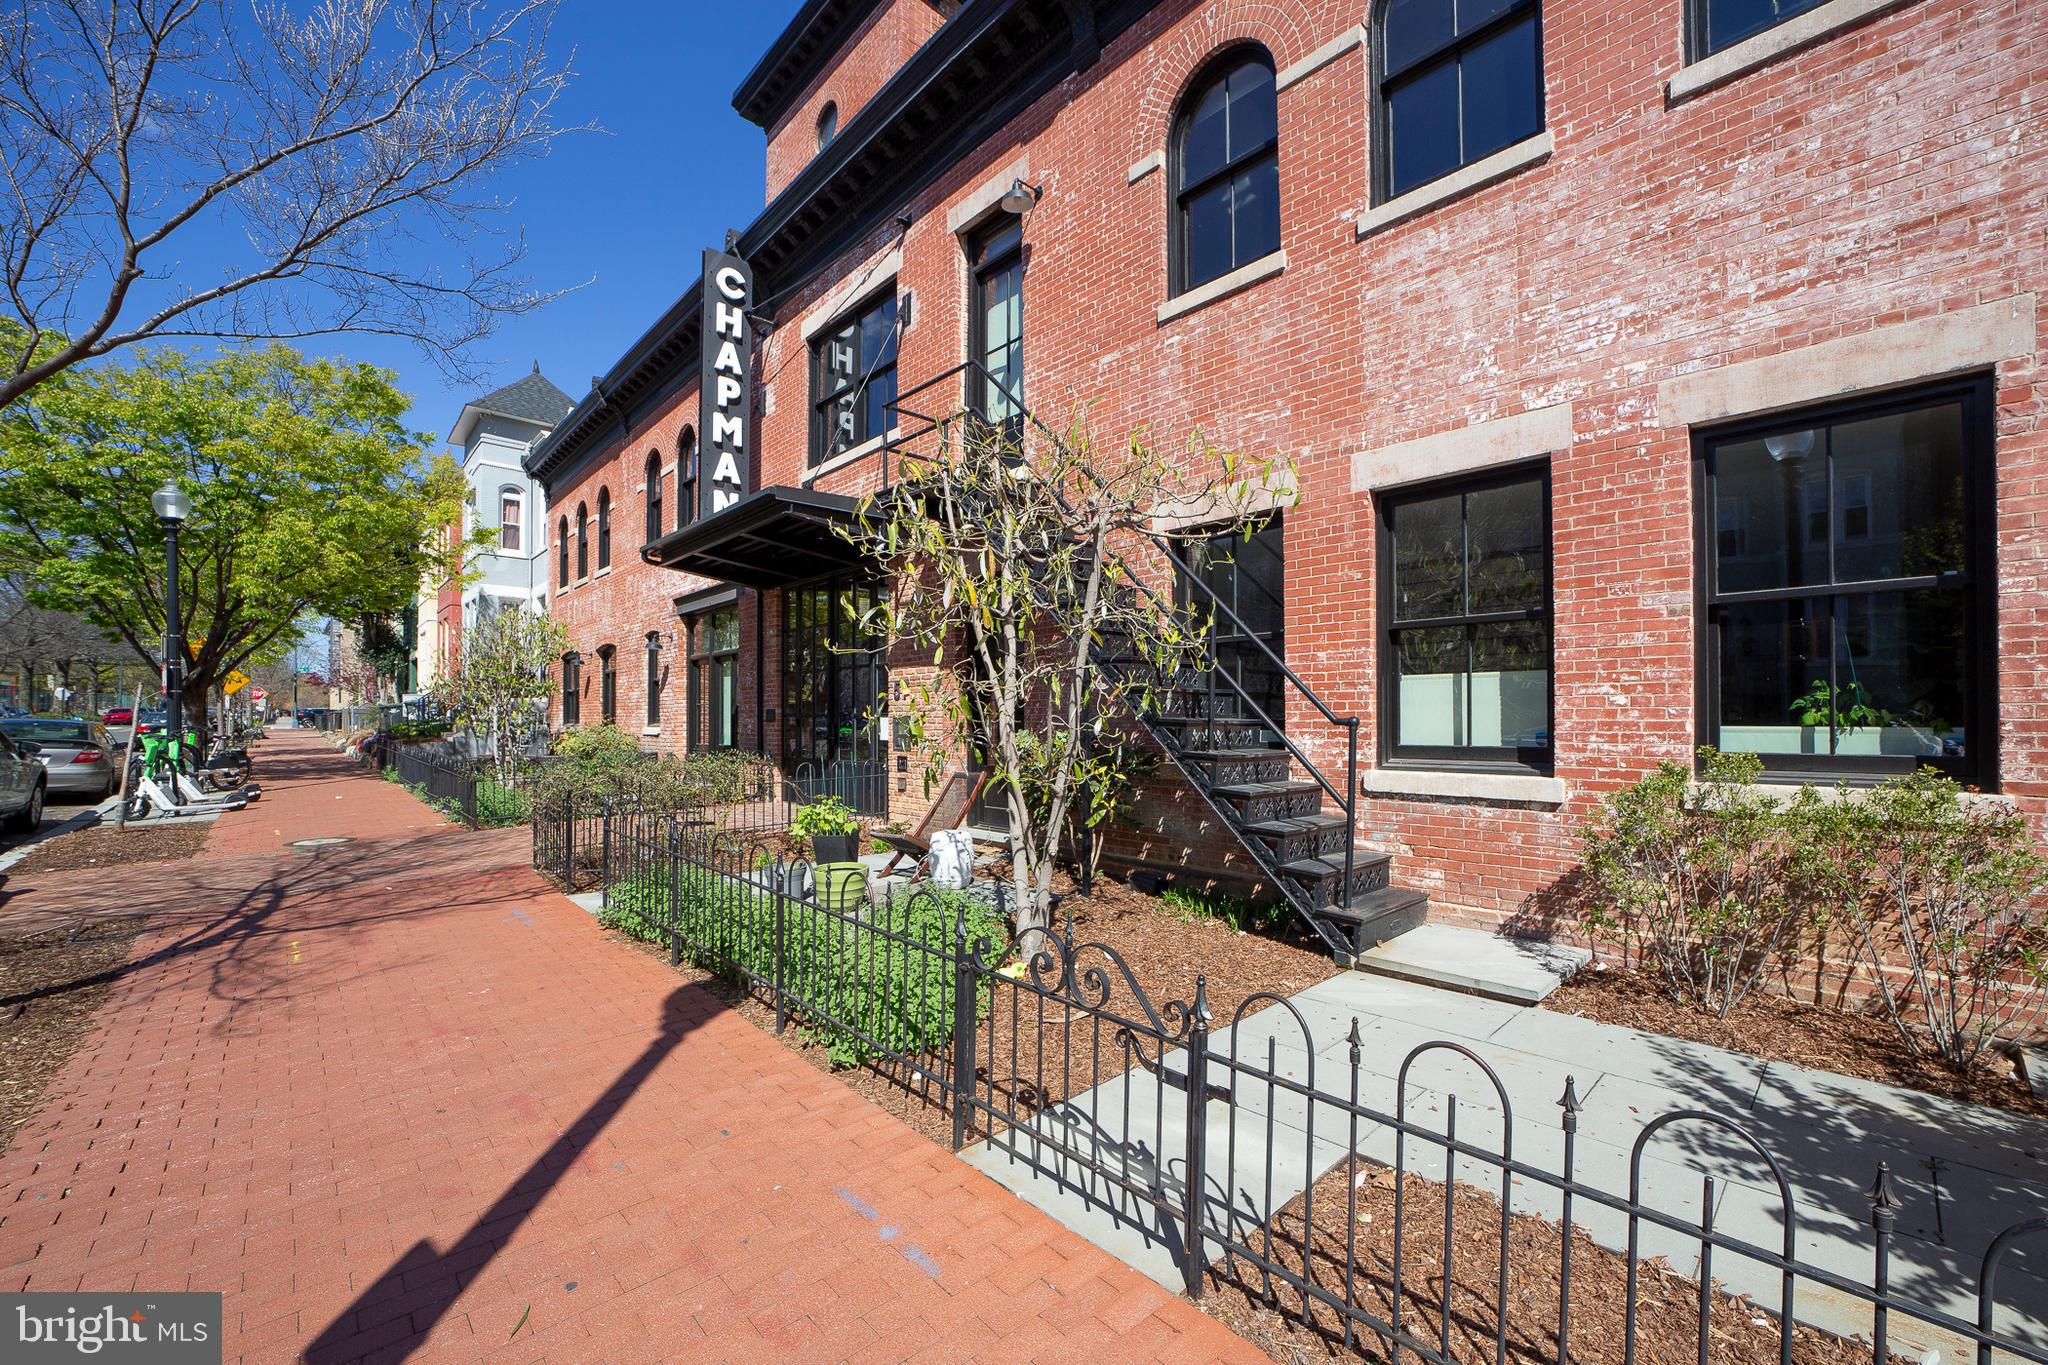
[
  {"x": 1248, "y": 574},
  {"x": 835, "y": 682}
]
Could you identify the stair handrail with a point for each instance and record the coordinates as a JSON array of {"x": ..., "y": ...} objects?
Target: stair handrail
[{"x": 1347, "y": 798}]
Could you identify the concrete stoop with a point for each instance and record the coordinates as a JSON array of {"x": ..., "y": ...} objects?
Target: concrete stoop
[{"x": 1517, "y": 970}]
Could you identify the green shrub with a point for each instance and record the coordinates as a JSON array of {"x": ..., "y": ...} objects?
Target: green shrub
[
  {"x": 1951, "y": 890},
  {"x": 878, "y": 986},
  {"x": 1702, "y": 875},
  {"x": 604, "y": 762},
  {"x": 418, "y": 729},
  {"x": 827, "y": 815}
]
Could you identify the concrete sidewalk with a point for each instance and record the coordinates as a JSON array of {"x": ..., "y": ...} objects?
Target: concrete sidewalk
[
  {"x": 396, "y": 1099},
  {"x": 1965, "y": 1172}
]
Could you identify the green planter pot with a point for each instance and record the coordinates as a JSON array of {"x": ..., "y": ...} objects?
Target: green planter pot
[{"x": 842, "y": 886}]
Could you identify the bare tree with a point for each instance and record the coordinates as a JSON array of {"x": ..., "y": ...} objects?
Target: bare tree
[
  {"x": 69, "y": 646},
  {"x": 307, "y": 144}
]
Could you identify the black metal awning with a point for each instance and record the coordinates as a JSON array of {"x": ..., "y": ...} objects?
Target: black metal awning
[{"x": 768, "y": 539}]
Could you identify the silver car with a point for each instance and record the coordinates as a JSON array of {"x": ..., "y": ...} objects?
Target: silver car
[
  {"x": 22, "y": 785},
  {"x": 78, "y": 755}
]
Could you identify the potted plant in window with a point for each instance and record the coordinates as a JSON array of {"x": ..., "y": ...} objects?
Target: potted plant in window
[{"x": 832, "y": 827}]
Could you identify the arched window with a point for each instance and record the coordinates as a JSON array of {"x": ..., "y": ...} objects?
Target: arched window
[
  {"x": 654, "y": 677},
  {"x": 582, "y": 540},
  {"x": 1226, "y": 170},
  {"x": 511, "y": 518},
  {"x": 562, "y": 551},
  {"x": 608, "y": 684},
  {"x": 686, "y": 477},
  {"x": 1454, "y": 82},
  {"x": 828, "y": 125},
  {"x": 572, "y": 688},
  {"x": 604, "y": 528},
  {"x": 653, "y": 496}
]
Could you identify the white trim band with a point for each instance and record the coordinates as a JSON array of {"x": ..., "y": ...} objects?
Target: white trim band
[
  {"x": 1884, "y": 357},
  {"x": 1444, "y": 783},
  {"x": 1820, "y": 22},
  {"x": 1482, "y": 445},
  {"x": 1478, "y": 175},
  {"x": 1144, "y": 166},
  {"x": 983, "y": 198},
  {"x": 870, "y": 279},
  {"x": 851, "y": 455},
  {"x": 1244, "y": 277},
  {"x": 1321, "y": 57}
]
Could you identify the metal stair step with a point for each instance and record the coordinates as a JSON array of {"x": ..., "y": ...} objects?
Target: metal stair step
[
  {"x": 1300, "y": 824},
  {"x": 1260, "y": 749},
  {"x": 1245, "y": 791},
  {"x": 1375, "y": 905},
  {"x": 1321, "y": 869}
]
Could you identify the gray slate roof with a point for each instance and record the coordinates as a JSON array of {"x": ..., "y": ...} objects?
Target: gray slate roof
[{"x": 532, "y": 399}]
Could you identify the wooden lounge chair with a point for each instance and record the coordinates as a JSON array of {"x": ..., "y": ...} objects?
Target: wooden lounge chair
[{"x": 956, "y": 797}]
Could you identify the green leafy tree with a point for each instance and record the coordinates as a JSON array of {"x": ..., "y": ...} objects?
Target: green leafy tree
[
  {"x": 309, "y": 497},
  {"x": 500, "y": 676},
  {"x": 1002, "y": 549}
]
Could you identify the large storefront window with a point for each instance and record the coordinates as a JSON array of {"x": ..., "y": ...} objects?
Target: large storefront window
[
  {"x": 1465, "y": 605},
  {"x": 1247, "y": 574},
  {"x": 715, "y": 679},
  {"x": 1845, "y": 587},
  {"x": 835, "y": 678}
]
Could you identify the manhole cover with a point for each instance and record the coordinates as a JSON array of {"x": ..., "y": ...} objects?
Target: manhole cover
[{"x": 318, "y": 843}]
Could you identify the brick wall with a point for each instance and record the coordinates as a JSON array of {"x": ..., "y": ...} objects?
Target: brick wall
[
  {"x": 1888, "y": 174},
  {"x": 867, "y": 60}
]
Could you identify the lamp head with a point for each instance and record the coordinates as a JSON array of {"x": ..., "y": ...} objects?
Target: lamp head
[
  {"x": 172, "y": 503},
  {"x": 1789, "y": 445},
  {"x": 1020, "y": 197}
]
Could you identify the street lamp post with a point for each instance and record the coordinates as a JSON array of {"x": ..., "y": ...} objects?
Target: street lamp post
[{"x": 172, "y": 507}]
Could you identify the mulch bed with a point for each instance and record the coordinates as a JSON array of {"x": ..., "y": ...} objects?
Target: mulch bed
[
  {"x": 43, "y": 1017},
  {"x": 1667, "y": 1312},
  {"x": 1780, "y": 1030},
  {"x": 112, "y": 846}
]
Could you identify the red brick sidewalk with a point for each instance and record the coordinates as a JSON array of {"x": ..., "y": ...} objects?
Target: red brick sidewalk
[{"x": 395, "y": 1097}]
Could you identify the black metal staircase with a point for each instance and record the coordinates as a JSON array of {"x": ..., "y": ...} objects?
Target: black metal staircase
[{"x": 1297, "y": 822}]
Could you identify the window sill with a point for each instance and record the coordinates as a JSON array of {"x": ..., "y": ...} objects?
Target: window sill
[
  {"x": 1244, "y": 277},
  {"x": 1478, "y": 175},
  {"x": 650, "y": 731},
  {"x": 605, "y": 572},
  {"x": 1853, "y": 791},
  {"x": 1762, "y": 49},
  {"x": 852, "y": 455},
  {"x": 1455, "y": 785}
]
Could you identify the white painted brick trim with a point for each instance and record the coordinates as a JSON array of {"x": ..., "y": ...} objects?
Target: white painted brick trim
[{"x": 1504, "y": 440}]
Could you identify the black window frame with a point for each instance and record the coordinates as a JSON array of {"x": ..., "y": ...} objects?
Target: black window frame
[
  {"x": 827, "y": 124},
  {"x": 1452, "y": 49},
  {"x": 1517, "y": 760},
  {"x": 654, "y": 508},
  {"x": 582, "y": 541},
  {"x": 653, "y": 679},
  {"x": 993, "y": 251},
  {"x": 1214, "y": 72},
  {"x": 608, "y": 684},
  {"x": 865, "y": 371},
  {"x": 686, "y": 478},
  {"x": 604, "y": 529},
  {"x": 562, "y": 550},
  {"x": 708, "y": 661},
  {"x": 1247, "y": 655},
  {"x": 1699, "y": 44},
  {"x": 572, "y": 688},
  {"x": 1977, "y": 580}
]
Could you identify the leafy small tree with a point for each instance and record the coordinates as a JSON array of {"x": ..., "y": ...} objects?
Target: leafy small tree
[
  {"x": 1002, "y": 553},
  {"x": 1951, "y": 915},
  {"x": 500, "y": 676},
  {"x": 310, "y": 497},
  {"x": 1701, "y": 875}
]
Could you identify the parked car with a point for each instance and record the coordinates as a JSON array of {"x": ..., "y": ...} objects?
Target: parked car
[
  {"x": 148, "y": 723},
  {"x": 23, "y": 784},
  {"x": 77, "y": 755},
  {"x": 118, "y": 715}
]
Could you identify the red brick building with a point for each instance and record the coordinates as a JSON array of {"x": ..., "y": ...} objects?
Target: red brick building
[{"x": 1654, "y": 375}]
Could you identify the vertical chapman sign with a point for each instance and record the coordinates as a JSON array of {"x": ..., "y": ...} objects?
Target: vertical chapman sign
[{"x": 725, "y": 393}]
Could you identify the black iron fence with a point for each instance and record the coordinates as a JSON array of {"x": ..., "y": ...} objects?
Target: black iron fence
[{"x": 1375, "y": 1212}]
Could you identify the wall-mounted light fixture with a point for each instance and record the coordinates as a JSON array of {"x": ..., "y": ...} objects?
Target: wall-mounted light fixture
[{"x": 1020, "y": 198}]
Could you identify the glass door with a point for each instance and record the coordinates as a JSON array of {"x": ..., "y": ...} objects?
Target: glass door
[{"x": 1247, "y": 573}]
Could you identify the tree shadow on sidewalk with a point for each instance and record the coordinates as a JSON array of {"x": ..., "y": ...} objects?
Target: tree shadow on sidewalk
[{"x": 424, "y": 1282}]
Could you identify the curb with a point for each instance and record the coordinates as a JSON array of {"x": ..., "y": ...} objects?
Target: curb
[{"x": 83, "y": 820}]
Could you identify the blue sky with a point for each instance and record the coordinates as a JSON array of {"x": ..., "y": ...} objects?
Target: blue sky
[{"x": 630, "y": 209}]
